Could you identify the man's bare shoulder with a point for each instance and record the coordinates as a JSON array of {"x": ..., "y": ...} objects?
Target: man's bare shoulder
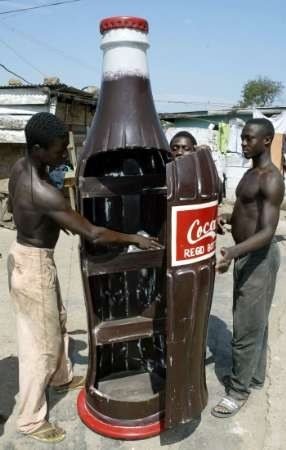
[
  {"x": 16, "y": 171},
  {"x": 47, "y": 197},
  {"x": 19, "y": 163},
  {"x": 272, "y": 184},
  {"x": 17, "y": 167}
]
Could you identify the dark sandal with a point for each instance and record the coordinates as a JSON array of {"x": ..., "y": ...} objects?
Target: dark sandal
[{"x": 228, "y": 407}]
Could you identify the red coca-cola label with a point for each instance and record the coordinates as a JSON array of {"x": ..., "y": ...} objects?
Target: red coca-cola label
[{"x": 193, "y": 233}]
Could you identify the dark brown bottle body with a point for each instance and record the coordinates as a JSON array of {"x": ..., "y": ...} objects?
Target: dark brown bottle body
[
  {"x": 122, "y": 185},
  {"x": 145, "y": 315}
]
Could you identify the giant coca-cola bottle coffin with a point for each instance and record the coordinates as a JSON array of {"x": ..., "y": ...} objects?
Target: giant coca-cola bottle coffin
[
  {"x": 122, "y": 185},
  {"x": 147, "y": 310}
]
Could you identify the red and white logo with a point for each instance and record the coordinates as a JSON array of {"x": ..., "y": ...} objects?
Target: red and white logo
[{"x": 193, "y": 233}]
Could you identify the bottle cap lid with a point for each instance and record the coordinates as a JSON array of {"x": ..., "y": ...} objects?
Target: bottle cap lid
[{"x": 136, "y": 23}]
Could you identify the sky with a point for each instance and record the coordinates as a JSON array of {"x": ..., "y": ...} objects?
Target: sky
[{"x": 202, "y": 52}]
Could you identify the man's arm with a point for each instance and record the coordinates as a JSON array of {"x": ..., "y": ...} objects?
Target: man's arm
[
  {"x": 221, "y": 221},
  {"x": 53, "y": 204},
  {"x": 272, "y": 191}
]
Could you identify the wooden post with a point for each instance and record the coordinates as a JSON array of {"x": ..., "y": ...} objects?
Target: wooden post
[
  {"x": 277, "y": 150},
  {"x": 70, "y": 176}
]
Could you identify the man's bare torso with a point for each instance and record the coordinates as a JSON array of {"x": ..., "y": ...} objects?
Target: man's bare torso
[
  {"x": 246, "y": 215},
  {"x": 26, "y": 191}
]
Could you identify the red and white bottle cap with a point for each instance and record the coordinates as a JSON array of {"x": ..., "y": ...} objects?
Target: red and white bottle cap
[
  {"x": 135, "y": 23},
  {"x": 124, "y": 43}
]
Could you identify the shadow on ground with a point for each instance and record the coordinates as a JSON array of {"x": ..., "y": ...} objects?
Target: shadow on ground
[
  {"x": 76, "y": 332},
  {"x": 219, "y": 344},
  {"x": 75, "y": 347},
  {"x": 8, "y": 388},
  {"x": 180, "y": 433},
  {"x": 9, "y": 383},
  {"x": 280, "y": 237}
]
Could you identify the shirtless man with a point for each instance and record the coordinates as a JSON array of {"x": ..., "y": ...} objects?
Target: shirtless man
[
  {"x": 40, "y": 211},
  {"x": 256, "y": 261}
]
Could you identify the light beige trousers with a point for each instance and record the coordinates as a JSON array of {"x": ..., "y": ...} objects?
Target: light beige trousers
[{"x": 42, "y": 334}]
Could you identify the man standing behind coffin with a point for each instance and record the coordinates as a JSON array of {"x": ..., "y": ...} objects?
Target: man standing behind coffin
[
  {"x": 40, "y": 211},
  {"x": 256, "y": 261},
  {"x": 182, "y": 143}
]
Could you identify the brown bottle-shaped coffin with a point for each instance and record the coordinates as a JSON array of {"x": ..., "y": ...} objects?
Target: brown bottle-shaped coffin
[
  {"x": 147, "y": 310},
  {"x": 122, "y": 185}
]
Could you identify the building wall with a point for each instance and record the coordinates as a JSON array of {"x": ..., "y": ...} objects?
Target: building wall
[
  {"x": 204, "y": 122},
  {"x": 233, "y": 165},
  {"x": 16, "y": 108},
  {"x": 19, "y": 105},
  {"x": 203, "y": 136},
  {"x": 78, "y": 118},
  {"x": 9, "y": 154}
]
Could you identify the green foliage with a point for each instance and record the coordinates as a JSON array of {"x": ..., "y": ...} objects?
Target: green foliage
[{"x": 260, "y": 92}]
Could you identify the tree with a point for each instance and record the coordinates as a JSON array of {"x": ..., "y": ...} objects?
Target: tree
[{"x": 260, "y": 92}]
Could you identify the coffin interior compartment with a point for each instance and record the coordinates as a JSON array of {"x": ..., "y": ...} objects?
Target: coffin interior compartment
[
  {"x": 130, "y": 210},
  {"x": 132, "y": 386},
  {"x": 126, "y": 162},
  {"x": 127, "y": 294},
  {"x": 141, "y": 360}
]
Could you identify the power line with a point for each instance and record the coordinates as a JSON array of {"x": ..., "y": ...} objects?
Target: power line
[
  {"x": 22, "y": 57},
  {"x": 50, "y": 47},
  {"x": 11, "y": 11},
  {"x": 14, "y": 73}
]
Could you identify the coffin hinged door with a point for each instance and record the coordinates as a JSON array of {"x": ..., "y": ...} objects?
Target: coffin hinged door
[{"x": 192, "y": 199}]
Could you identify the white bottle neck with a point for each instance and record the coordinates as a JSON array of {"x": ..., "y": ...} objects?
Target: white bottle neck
[{"x": 124, "y": 54}]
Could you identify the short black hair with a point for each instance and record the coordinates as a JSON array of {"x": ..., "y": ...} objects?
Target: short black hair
[
  {"x": 43, "y": 128},
  {"x": 265, "y": 124},
  {"x": 184, "y": 134}
]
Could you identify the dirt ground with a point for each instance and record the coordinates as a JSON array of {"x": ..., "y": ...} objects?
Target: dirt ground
[{"x": 261, "y": 424}]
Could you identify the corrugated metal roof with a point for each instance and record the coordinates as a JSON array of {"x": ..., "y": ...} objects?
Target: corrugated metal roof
[
  {"x": 53, "y": 89},
  {"x": 19, "y": 103},
  {"x": 220, "y": 112},
  {"x": 23, "y": 97}
]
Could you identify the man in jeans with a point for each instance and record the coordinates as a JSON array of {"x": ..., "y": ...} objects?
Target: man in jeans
[
  {"x": 40, "y": 211},
  {"x": 256, "y": 261}
]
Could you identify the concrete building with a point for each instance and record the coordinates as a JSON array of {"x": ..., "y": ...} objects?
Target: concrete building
[
  {"x": 76, "y": 107},
  {"x": 19, "y": 102},
  {"x": 221, "y": 130}
]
